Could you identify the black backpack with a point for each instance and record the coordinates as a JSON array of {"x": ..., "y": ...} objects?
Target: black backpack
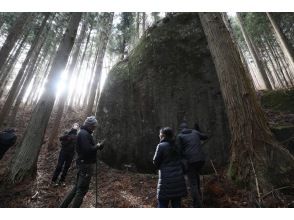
[{"x": 7, "y": 139}]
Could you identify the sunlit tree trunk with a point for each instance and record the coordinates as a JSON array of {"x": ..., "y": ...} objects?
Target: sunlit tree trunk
[
  {"x": 253, "y": 54},
  {"x": 11, "y": 63},
  {"x": 105, "y": 30},
  {"x": 21, "y": 73},
  {"x": 64, "y": 95},
  {"x": 15, "y": 33},
  {"x": 282, "y": 40},
  {"x": 257, "y": 161},
  {"x": 25, "y": 161}
]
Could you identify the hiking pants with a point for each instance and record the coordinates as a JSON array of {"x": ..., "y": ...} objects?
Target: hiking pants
[
  {"x": 85, "y": 172},
  {"x": 193, "y": 174},
  {"x": 175, "y": 203},
  {"x": 64, "y": 160}
]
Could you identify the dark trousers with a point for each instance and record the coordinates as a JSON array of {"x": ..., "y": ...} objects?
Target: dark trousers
[
  {"x": 175, "y": 203},
  {"x": 85, "y": 172},
  {"x": 64, "y": 161},
  {"x": 193, "y": 174}
]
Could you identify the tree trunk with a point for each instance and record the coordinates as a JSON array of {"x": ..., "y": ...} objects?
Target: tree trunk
[
  {"x": 26, "y": 83},
  {"x": 15, "y": 33},
  {"x": 72, "y": 100},
  {"x": 138, "y": 25},
  {"x": 12, "y": 62},
  {"x": 143, "y": 22},
  {"x": 282, "y": 40},
  {"x": 256, "y": 157},
  {"x": 253, "y": 54},
  {"x": 64, "y": 95},
  {"x": 26, "y": 157},
  {"x": 21, "y": 73},
  {"x": 105, "y": 30}
]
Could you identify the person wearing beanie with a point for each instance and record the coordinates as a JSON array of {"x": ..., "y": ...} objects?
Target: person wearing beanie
[
  {"x": 86, "y": 150},
  {"x": 68, "y": 142}
]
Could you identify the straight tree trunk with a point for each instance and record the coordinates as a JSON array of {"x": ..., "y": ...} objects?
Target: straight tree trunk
[
  {"x": 143, "y": 22},
  {"x": 15, "y": 33},
  {"x": 12, "y": 62},
  {"x": 64, "y": 95},
  {"x": 25, "y": 161},
  {"x": 257, "y": 160},
  {"x": 106, "y": 25},
  {"x": 253, "y": 54},
  {"x": 71, "y": 98},
  {"x": 21, "y": 76},
  {"x": 138, "y": 25},
  {"x": 282, "y": 40},
  {"x": 26, "y": 83}
]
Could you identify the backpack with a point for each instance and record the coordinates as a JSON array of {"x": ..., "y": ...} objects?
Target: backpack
[
  {"x": 65, "y": 138},
  {"x": 7, "y": 139}
]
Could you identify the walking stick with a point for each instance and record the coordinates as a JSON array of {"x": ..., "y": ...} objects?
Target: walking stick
[{"x": 96, "y": 183}]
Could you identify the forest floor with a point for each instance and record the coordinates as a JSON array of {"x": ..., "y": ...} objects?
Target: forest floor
[{"x": 123, "y": 188}]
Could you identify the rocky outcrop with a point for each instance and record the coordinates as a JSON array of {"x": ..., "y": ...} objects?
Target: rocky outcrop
[{"x": 168, "y": 77}]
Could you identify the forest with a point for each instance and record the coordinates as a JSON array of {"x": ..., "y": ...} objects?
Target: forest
[{"x": 232, "y": 74}]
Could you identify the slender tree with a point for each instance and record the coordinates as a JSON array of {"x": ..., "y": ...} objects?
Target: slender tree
[
  {"x": 64, "y": 95},
  {"x": 21, "y": 76},
  {"x": 257, "y": 160},
  {"x": 254, "y": 54},
  {"x": 25, "y": 162},
  {"x": 282, "y": 40},
  {"x": 105, "y": 30},
  {"x": 15, "y": 33}
]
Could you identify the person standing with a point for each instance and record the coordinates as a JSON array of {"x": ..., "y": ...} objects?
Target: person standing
[
  {"x": 66, "y": 154},
  {"x": 189, "y": 144},
  {"x": 171, "y": 182},
  {"x": 86, "y": 150}
]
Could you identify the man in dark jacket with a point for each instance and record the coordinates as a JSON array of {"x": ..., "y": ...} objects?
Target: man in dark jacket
[
  {"x": 86, "y": 149},
  {"x": 189, "y": 144},
  {"x": 66, "y": 154}
]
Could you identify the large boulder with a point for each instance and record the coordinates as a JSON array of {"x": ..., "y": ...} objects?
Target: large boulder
[{"x": 168, "y": 77}]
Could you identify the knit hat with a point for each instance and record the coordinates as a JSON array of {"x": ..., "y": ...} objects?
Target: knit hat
[
  {"x": 90, "y": 121},
  {"x": 183, "y": 125}
]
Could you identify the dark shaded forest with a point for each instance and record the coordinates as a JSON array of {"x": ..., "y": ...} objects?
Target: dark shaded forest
[{"x": 231, "y": 73}]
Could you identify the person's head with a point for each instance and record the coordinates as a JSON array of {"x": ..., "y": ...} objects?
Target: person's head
[
  {"x": 183, "y": 125},
  {"x": 90, "y": 123},
  {"x": 75, "y": 126},
  {"x": 166, "y": 133}
]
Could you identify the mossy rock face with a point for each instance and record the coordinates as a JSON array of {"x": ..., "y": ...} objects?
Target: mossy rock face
[
  {"x": 168, "y": 77},
  {"x": 282, "y": 100}
]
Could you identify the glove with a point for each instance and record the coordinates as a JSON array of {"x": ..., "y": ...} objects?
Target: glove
[{"x": 100, "y": 145}]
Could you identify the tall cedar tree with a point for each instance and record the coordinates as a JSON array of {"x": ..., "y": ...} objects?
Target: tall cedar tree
[
  {"x": 21, "y": 73},
  {"x": 103, "y": 36},
  {"x": 14, "y": 34},
  {"x": 257, "y": 160},
  {"x": 25, "y": 161}
]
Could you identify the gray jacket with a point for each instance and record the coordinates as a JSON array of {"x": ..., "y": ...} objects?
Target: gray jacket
[{"x": 188, "y": 142}]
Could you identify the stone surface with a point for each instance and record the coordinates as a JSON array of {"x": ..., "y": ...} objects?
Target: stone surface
[{"x": 168, "y": 77}]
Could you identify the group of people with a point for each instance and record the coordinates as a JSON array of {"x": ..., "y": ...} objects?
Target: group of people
[
  {"x": 175, "y": 158},
  {"x": 83, "y": 144}
]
